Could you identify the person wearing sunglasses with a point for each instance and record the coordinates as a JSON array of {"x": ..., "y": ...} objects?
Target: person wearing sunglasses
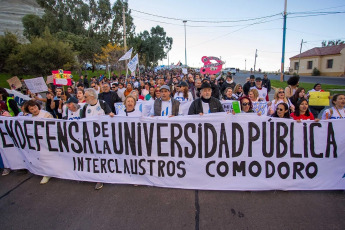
[
  {"x": 96, "y": 87},
  {"x": 279, "y": 97},
  {"x": 246, "y": 105},
  {"x": 282, "y": 111}
]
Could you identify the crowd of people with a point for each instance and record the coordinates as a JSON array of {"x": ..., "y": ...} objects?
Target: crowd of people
[{"x": 166, "y": 90}]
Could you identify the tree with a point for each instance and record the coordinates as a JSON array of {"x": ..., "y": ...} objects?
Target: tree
[
  {"x": 41, "y": 56},
  {"x": 8, "y": 45},
  {"x": 110, "y": 55},
  {"x": 332, "y": 43},
  {"x": 151, "y": 46}
]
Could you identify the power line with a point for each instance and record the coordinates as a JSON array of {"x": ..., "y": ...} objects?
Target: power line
[{"x": 204, "y": 21}]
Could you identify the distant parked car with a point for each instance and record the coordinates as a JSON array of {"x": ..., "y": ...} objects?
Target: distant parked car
[{"x": 231, "y": 70}]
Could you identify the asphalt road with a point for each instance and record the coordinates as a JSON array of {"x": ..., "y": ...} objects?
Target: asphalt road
[
  {"x": 64, "y": 204},
  {"x": 240, "y": 78}
]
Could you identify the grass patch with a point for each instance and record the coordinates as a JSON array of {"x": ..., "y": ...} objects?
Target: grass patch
[{"x": 333, "y": 89}]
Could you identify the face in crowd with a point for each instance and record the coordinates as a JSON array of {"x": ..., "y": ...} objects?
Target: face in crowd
[
  {"x": 106, "y": 88},
  {"x": 130, "y": 104},
  {"x": 58, "y": 92},
  {"x": 206, "y": 93},
  {"x": 34, "y": 110},
  {"x": 281, "y": 110},
  {"x": 165, "y": 94},
  {"x": 245, "y": 105},
  {"x": 303, "y": 107},
  {"x": 258, "y": 84}
]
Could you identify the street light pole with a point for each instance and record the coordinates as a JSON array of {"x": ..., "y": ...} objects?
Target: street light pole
[{"x": 185, "y": 43}]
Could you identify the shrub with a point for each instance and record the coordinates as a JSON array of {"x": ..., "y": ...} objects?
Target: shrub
[{"x": 316, "y": 72}]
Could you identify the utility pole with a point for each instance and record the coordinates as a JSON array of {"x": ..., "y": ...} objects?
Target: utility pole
[
  {"x": 245, "y": 64},
  {"x": 185, "y": 43},
  {"x": 283, "y": 51},
  {"x": 299, "y": 57},
  {"x": 256, "y": 54},
  {"x": 124, "y": 33}
]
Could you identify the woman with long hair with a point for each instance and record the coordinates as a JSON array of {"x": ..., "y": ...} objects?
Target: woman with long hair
[
  {"x": 253, "y": 94},
  {"x": 279, "y": 97},
  {"x": 183, "y": 94},
  {"x": 302, "y": 111},
  {"x": 282, "y": 111},
  {"x": 299, "y": 94},
  {"x": 238, "y": 91},
  {"x": 338, "y": 110}
]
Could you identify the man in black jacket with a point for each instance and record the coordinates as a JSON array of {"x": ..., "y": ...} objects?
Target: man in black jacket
[
  {"x": 248, "y": 85},
  {"x": 110, "y": 97},
  {"x": 206, "y": 103}
]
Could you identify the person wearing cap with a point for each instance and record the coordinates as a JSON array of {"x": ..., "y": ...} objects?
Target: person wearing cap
[
  {"x": 165, "y": 105},
  {"x": 266, "y": 83},
  {"x": 228, "y": 83},
  {"x": 73, "y": 110},
  {"x": 248, "y": 85},
  {"x": 206, "y": 103},
  {"x": 183, "y": 94},
  {"x": 263, "y": 94}
]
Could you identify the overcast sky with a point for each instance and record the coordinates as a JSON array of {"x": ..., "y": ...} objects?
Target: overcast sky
[{"x": 236, "y": 42}]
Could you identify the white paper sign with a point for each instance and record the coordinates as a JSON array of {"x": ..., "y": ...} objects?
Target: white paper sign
[{"x": 36, "y": 85}]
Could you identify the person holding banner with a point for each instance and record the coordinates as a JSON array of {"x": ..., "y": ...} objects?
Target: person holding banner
[
  {"x": 10, "y": 103},
  {"x": 246, "y": 105},
  {"x": 94, "y": 108},
  {"x": 338, "y": 110},
  {"x": 302, "y": 111},
  {"x": 34, "y": 108},
  {"x": 282, "y": 111},
  {"x": 130, "y": 111},
  {"x": 110, "y": 97},
  {"x": 279, "y": 97},
  {"x": 206, "y": 103},
  {"x": 165, "y": 106},
  {"x": 73, "y": 110}
]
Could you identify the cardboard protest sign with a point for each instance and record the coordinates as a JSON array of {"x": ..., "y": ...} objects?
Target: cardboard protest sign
[
  {"x": 319, "y": 98},
  {"x": 209, "y": 67},
  {"x": 36, "y": 85},
  {"x": 50, "y": 79},
  {"x": 14, "y": 82},
  {"x": 62, "y": 77}
]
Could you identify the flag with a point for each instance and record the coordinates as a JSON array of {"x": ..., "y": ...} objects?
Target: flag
[
  {"x": 127, "y": 55},
  {"x": 178, "y": 63},
  {"x": 133, "y": 63}
]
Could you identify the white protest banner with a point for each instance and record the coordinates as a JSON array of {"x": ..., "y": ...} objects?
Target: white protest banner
[
  {"x": 36, "y": 85},
  {"x": 211, "y": 152},
  {"x": 127, "y": 55},
  {"x": 133, "y": 63},
  {"x": 18, "y": 96}
]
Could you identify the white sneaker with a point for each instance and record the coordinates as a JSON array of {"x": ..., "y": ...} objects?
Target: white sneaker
[
  {"x": 45, "y": 180},
  {"x": 6, "y": 172},
  {"x": 99, "y": 185}
]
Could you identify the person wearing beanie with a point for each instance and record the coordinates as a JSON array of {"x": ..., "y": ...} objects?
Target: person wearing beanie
[{"x": 206, "y": 103}]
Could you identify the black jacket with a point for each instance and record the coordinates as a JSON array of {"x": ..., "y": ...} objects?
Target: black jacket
[
  {"x": 114, "y": 98},
  {"x": 196, "y": 106}
]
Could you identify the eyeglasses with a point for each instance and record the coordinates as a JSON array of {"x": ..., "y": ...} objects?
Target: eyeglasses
[
  {"x": 281, "y": 92},
  {"x": 93, "y": 86},
  {"x": 245, "y": 104},
  {"x": 279, "y": 109}
]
